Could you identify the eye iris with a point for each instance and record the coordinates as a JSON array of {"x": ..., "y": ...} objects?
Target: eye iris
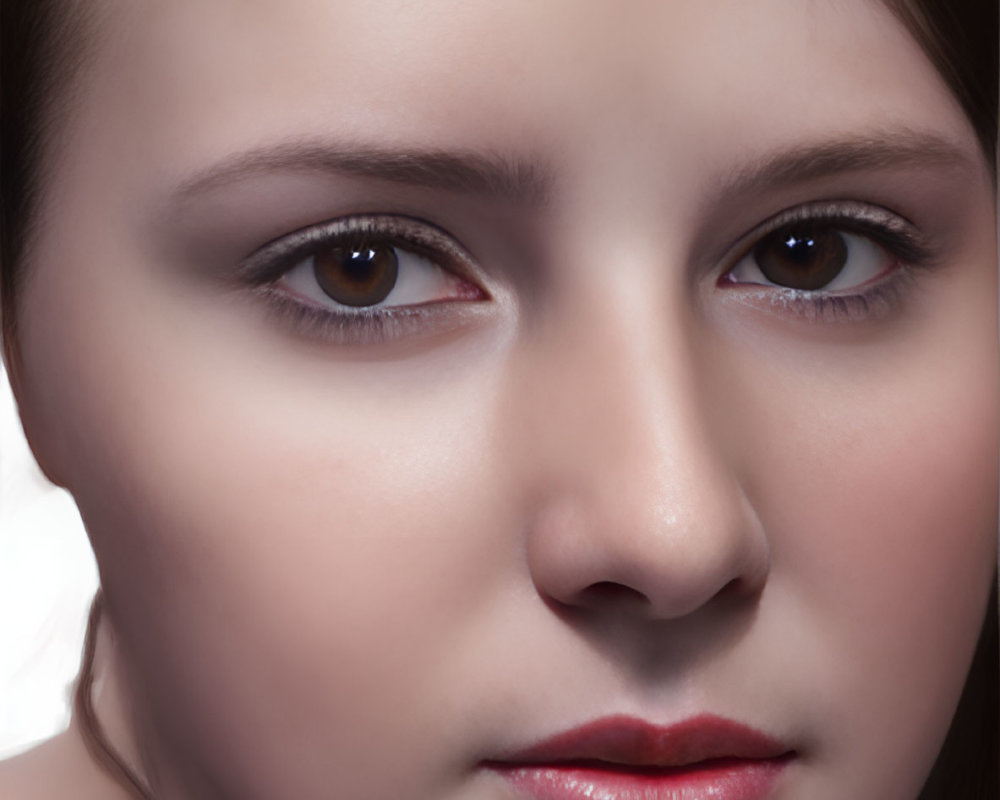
[
  {"x": 357, "y": 275},
  {"x": 801, "y": 258}
]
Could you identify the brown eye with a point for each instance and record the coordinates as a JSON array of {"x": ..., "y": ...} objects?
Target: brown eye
[
  {"x": 357, "y": 274},
  {"x": 806, "y": 258}
]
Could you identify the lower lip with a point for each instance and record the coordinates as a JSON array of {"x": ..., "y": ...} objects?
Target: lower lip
[{"x": 725, "y": 779}]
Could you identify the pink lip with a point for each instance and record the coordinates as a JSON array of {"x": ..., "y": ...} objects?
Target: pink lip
[{"x": 623, "y": 758}]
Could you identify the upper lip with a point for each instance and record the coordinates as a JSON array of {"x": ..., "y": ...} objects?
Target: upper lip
[{"x": 629, "y": 742}]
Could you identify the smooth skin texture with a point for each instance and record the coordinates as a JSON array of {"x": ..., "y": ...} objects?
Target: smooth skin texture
[{"x": 596, "y": 478}]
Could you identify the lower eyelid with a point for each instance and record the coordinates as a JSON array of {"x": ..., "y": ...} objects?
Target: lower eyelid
[
  {"x": 878, "y": 300},
  {"x": 429, "y": 300},
  {"x": 367, "y": 327}
]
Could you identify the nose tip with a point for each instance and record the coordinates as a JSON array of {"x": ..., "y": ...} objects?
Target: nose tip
[
  {"x": 632, "y": 480},
  {"x": 653, "y": 561}
]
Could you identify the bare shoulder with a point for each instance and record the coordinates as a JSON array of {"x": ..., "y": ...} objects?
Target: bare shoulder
[
  {"x": 57, "y": 769},
  {"x": 34, "y": 774}
]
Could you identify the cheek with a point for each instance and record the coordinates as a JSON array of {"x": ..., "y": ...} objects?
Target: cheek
[
  {"x": 318, "y": 571},
  {"x": 286, "y": 545},
  {"x": 895, "y": 540},
  {"x": 876, "y": 477},
  {"x": 897, "y": 489}
]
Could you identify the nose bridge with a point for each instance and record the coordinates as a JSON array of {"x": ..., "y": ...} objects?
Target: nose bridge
[
  {"x": 633, "y": 487},
  {"x": 629, "y": 404}
]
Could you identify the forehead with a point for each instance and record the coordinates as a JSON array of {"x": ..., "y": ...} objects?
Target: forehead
[{"x": 199, "y": 79}]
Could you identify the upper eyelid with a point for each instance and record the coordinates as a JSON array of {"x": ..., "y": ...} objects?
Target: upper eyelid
[
  {"x": 273, "y": 259},
  {"x": 886, "y": 227}
]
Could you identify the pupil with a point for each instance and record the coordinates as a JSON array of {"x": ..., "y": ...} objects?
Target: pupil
[
  {"x": 358, "y": 265},
  {"x": 801, "y": 259},
  {"x": 357, "y": 275},
  {"x": 800, "y": 249}
]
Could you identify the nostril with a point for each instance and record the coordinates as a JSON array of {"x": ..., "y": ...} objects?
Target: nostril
[
  {"x": 737, "y": 586},
  {"x": 610, "y": 593},
  {"x": 609, "y": 553},
  {"x": 611, "y": 596},
  {"x": 738, "y": 590}
]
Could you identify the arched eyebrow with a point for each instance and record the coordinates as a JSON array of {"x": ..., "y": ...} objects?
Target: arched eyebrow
[
  {"x": 896, "y": 149},
  {"x": 488, "y": 174},
  {"x": 530, "y": 183}
]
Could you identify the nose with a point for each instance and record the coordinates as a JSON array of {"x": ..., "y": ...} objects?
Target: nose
[{"x": 635, "y": 501}]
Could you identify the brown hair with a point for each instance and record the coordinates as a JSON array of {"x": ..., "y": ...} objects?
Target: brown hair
[
  {"x": 44, "y": 44},
  {"x": 967, "y": 767},
  {"x": 94, "y": 737},
  {"x": 960, "y": 39}
]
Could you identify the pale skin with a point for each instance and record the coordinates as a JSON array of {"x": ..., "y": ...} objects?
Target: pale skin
[{"x": 599, "y": 477}]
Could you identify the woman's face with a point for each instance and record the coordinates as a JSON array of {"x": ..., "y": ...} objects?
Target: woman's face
[{"x": 436, "y": 379}]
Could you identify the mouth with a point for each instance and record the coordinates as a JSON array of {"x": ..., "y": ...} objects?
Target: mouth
[{"x": 624, "y": 758}]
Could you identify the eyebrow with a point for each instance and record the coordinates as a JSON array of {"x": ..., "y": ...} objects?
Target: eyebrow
[
  {"x": 877, "y": 151},
  {"x": 469, "y": 172},
  {"x": 528, "y": 182}
]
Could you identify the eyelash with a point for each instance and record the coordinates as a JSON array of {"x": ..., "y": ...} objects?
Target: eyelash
[
  {"x": 366, "y": 324},
  {"x": 890, "y": 232},
  {"x": 893, "y": 234}
]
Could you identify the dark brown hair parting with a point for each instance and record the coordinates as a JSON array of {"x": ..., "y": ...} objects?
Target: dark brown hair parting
[{"x": 43, "y": 48}]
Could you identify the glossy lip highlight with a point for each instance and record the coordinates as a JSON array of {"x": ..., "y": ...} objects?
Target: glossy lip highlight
[{"x": 624, "y": 758}]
